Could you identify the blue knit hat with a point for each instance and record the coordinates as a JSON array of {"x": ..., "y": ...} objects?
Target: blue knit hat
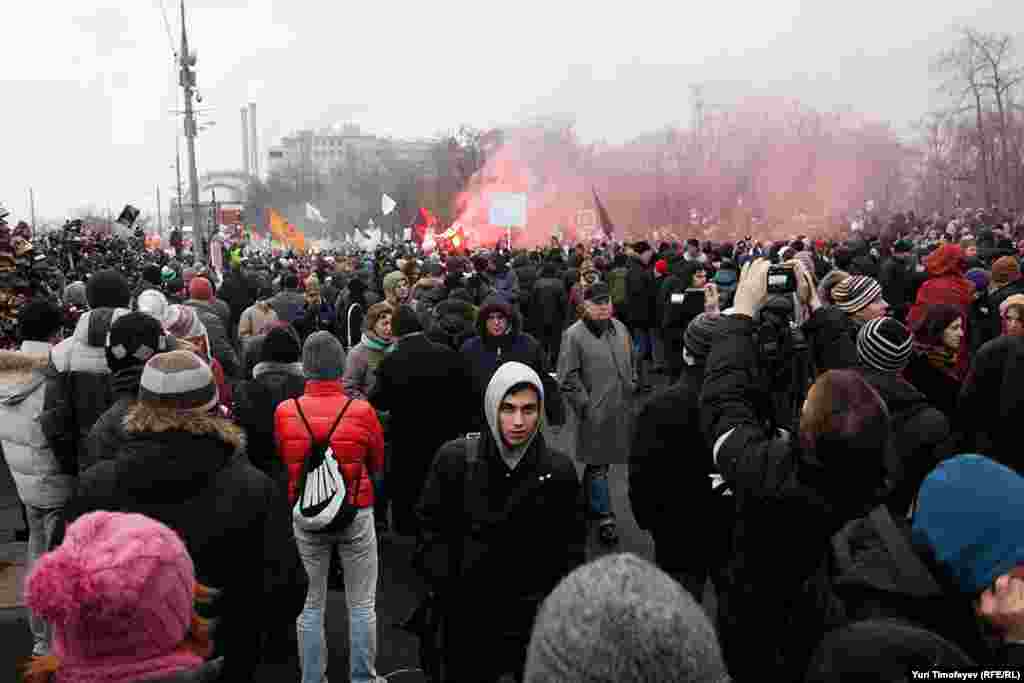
[{"x": 970, "y": 511}]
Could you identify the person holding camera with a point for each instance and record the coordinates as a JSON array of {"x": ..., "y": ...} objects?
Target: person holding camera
[{"x": 832, "y": 470}]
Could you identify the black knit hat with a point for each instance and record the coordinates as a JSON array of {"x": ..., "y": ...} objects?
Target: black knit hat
[
  {"x": 884, "y": 344},
  {"x": 108, "y": 289},
  {"x": 133, "y": 339},
  {"x": 699, "y": 336},
  {"x": 151, "y": 274},
  {"x": 281, "y": 345}
]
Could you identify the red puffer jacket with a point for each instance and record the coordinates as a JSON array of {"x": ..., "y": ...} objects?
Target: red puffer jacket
[{"x": 358, "y": 441}]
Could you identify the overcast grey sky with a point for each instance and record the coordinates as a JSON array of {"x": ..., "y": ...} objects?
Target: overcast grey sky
[{"x": 89, "y": 87}]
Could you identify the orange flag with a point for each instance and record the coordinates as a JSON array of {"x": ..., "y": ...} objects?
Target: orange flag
[{"x": 286, "y": 233}]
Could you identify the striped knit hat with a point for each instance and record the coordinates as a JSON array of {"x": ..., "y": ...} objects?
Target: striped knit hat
[
  {"x": 178, "y": 380},
  {"x": 856, "y": 292},
  {"x": 884, "y": 344}
]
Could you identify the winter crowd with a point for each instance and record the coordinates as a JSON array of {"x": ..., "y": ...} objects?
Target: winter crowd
[{"x": 831, "y": 476}]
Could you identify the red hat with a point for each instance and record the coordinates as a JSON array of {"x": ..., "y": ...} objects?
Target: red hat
[
  {"x": 661, "y": 266},
  {"x": 200, "y": 289},
  {"x": 819, "y": 245}
]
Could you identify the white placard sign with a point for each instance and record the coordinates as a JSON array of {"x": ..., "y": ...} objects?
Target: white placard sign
[{"x": 508, "y": 209}]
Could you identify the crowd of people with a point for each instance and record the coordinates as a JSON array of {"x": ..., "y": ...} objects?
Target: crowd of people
[{"x": 828, "y": 468}]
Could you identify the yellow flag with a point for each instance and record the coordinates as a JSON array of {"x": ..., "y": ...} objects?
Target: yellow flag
[{"x": 285, "y": 232}]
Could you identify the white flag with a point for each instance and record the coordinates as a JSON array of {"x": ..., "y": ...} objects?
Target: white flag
[
  {"x": 313, "y": 214},
  {"x": 387, "y": 205}
]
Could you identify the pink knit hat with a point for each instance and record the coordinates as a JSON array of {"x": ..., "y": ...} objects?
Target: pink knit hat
[{"x": 118, "y": 592}]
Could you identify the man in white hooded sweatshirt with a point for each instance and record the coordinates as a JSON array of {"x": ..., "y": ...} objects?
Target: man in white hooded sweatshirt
[{"x": 498, "y": 506}]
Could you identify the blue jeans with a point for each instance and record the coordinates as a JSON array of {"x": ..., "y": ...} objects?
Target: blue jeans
[
  {"x": 42, "y": 525},
  {"x": 599, "y": 498},
  {"x": 357, "y": 548},
  {"x": 642, "y": 344}
]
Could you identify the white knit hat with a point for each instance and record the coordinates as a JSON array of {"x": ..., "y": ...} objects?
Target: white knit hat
[
  {"x": 153, "y": 303},
  {"x": 180, "y": 380}
]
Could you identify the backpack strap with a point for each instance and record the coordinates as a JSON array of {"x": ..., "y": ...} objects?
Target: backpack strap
[
  {"x": 334, "y": 426},
  {"x": 348, "y": 322}
]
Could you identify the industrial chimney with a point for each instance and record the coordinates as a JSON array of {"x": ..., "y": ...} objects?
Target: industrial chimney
[
  {"x": 255, "y": 145},
  {"x": 246, "y": 157}
]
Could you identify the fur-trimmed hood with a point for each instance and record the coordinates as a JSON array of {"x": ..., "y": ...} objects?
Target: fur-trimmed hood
[{"x": 144, "y": 418}]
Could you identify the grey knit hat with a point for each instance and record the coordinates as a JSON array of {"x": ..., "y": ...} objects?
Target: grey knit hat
[
  {"x": 620, "y": 618},
  {"x": 323, "y": 357},
  {"x": 179, "y": 380}
]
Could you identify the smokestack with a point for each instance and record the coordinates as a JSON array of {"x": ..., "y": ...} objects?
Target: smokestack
[
  {"x": 255, "y": 141},
  {"x": 246, "y": 157}
]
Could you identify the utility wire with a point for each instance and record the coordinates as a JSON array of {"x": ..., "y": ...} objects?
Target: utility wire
[{"x": 167, "y": 25}]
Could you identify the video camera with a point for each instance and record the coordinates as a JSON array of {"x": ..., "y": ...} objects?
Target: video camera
[{"x": 785, "y": 360}]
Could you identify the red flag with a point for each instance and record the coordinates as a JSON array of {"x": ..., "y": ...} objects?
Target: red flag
[{"x": 606, "y": 222}]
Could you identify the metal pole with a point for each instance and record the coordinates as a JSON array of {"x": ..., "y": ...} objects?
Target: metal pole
[
  {"x": 177, "y": 167},
  {"x": 188, "y": 84},
  {"x": 32, "y": 207},
  {"x": 246, "y": 156},
  {"x": 159, "y": 216}
]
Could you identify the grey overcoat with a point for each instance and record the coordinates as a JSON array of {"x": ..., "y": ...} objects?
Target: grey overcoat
[{"x": 596, "y": 377}]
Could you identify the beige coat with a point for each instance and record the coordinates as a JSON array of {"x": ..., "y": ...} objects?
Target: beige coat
[{"x": 256, "y": 320}]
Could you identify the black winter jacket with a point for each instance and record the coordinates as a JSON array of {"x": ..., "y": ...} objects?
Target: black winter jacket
[
  {"x": 641, "y": 296},
  {"x": 874, "y": 570},
  {"x": 991, "y": 403},
  {"x": 255, "y": 403},
  {"x": 941, "y": 390},
  {"x": 427, "y": 389},
  {"x": 473, "y": 531},
  {"x": 187, "y": 471},
  {"x": 900, "y": 281},
  {"x": 484, "y": 354},
  {"x": 670, "y": 462},
  {"x": 920, "y": 437},
  {"x": 832, "y": 336},
  {"x": 548, "y": 307},
  {"x": 777, "y": 488}
]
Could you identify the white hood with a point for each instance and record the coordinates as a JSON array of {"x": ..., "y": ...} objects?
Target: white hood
[{"x": 506, "y": 377}]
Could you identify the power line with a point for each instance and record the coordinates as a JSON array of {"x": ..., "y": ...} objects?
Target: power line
[{"x": 167, "y": 25}]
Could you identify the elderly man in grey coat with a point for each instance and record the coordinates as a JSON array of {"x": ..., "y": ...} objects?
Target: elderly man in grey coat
[{"x": 595, "y": 372}]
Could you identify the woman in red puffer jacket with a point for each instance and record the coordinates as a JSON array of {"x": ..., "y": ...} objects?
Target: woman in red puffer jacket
[{"x": 358, "y": 445}]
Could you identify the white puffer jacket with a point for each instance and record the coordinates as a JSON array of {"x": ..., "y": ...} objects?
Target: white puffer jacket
[{"x": 33, "y": 465}]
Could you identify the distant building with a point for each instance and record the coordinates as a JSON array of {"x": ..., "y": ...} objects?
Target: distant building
[{"x": 321, "y": 152}]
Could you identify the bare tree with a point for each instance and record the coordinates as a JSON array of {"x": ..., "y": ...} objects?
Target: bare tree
[{"x": 963, "y": 66}]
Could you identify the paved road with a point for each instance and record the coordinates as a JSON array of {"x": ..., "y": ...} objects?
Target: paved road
[{"x": 396, "y": 596}]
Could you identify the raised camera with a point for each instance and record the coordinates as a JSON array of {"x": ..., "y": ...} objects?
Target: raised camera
[{"x": 781, "y": 280}]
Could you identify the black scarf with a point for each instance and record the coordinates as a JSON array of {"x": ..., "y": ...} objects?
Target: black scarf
[{"x": 597, "y": 327}]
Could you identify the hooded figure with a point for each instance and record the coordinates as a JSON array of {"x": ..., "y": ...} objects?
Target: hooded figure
[
  {"x": 511, "y": 484},
  {"x": 500, "y": 340},
  {"x": 946, "y": 283}
]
